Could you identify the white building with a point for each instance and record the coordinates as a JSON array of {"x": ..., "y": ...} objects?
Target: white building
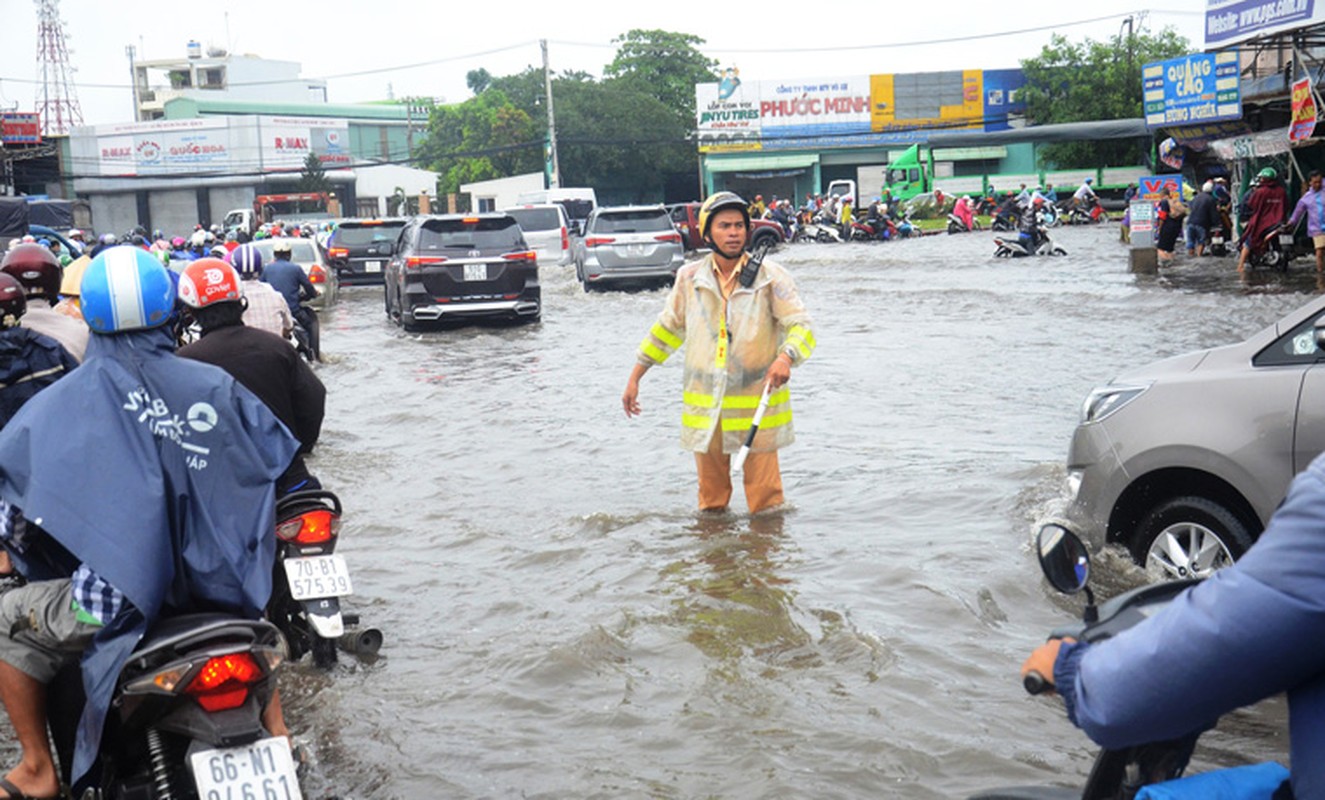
[{"x": 219, "y": 75}]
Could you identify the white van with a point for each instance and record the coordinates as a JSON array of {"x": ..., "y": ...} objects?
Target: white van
[
  {"x": 578, "y": 202},
  {"x": 546, "y": 231}
]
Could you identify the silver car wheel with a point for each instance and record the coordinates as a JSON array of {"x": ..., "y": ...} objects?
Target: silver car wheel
[{"x": 1187, "y": 550}]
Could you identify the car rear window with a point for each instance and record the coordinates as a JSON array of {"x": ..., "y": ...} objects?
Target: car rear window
[
  {"x": 301, "y": 252},
  {"x": 633, "y": 222},
  {"x": 577, "y": 209},
  {"x": 352, "y": 234},
  {"x": 480, "y": 233},
  {"x": 537, "y": 219}
]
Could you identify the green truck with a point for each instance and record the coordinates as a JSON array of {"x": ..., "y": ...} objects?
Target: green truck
[{"x": 912, "y": 173}]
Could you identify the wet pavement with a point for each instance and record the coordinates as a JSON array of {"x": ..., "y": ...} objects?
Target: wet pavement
[{"x": 560, "y": 622}]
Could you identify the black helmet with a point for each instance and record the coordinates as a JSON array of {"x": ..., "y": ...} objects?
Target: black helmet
[
  {"x": 12, "y": 301},
  {"x": 721, "y": 201}
]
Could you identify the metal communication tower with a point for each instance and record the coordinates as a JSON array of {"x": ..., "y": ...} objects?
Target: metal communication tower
[{"x": 57, "y": 105}]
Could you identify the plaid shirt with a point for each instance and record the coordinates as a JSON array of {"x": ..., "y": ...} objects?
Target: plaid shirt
[
  {"x": 97, "y": 601},
  {"x": 266, "y": 310}
]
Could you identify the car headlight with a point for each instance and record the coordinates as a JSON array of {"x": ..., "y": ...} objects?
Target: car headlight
[{"x": 1105, "y": 400}]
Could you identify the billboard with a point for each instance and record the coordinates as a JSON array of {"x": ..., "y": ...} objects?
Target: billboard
[
  {"x": 1229, "y": 22},
  {"x": 852, "y": 111},
  {"x": 20, "y": 127},
  {"x": 213, "y": 145},
  {"x": 1192, "y": 89}
]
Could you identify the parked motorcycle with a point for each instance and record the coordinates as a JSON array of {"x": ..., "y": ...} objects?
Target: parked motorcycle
[
  {"x": 186, "y": 717},
  {"x": 311, "y": 578},
  {"x": 1010, "y": 247},
  {"x": 1116, "y": 774},
  {"x": 1218, "y": 245}
]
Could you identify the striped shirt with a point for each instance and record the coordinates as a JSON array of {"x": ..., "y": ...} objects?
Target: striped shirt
[
  {"x": 96, "y": 601},
  {"x": 267, "y": 309}
]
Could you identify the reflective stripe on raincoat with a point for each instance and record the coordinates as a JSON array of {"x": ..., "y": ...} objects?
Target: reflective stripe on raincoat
[{"x": 722, "y": 385}]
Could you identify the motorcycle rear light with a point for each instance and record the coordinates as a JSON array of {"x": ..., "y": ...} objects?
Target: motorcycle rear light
[
  {"x": 595, "y": 241},
  {"x": 224, "y": 681},
  {"x": 339, "y": 252},
  {"x": 316, "y": 274},
  {"x": 669, "y": 237},
  {"x": 528, "y": 255},
  {"x": 414, "y": 262},
  {"x": 311, "y": 527}
]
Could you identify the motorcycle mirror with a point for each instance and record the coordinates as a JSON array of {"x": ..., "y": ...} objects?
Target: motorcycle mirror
[{"x": 1063, "y": 558}]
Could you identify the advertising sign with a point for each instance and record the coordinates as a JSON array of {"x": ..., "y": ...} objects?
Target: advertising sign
[
  {"x": 1149, "y": 187},
  {"x": 20, "y": 127},
  {"x": 1303, "y": 123},
  {"x": 855, "y": 111},
  {"x": 1231, "y": 21},
  {"x": 1192, "y": 89},
  {"x": 287, "y": 141}
]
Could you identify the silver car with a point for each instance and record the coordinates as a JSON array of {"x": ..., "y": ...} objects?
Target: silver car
[
  {"x": 627, "y": 244},
  {"x": 1183, "y": 461},
  {"x": 546, "y": 230}
]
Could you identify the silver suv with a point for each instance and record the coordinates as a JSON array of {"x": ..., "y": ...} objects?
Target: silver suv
[
  {"x": 628, "y": 244},
  {"x": 1183, "y": 461}
]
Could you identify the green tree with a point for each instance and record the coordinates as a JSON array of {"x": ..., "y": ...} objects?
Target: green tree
[
  {"x": 478, "y": 79},
  {"x": 664, "y": 65},
  {"x": 482, "y": 138},
  {"x": 314, "y": 177},
  {"x": 1092, "y": 80}
]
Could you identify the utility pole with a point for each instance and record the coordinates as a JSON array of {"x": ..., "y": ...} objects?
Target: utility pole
[
  {"x": 131, "y": 51},
  {"x": 554, "y": 178}
]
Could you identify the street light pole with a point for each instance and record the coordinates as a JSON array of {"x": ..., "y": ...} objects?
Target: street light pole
[{"x": 554, "y": 180}]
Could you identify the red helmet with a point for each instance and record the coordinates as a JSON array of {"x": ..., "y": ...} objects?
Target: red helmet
[
  {"x": 36, "y": 268},
  {"x": 12, "y": 301},
  {"x": 207, "y": 281}
]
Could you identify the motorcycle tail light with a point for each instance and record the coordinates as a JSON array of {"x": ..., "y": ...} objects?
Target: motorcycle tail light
[
  {"x": 224, "y": 681},
  {"x": 311, "y": 527}
]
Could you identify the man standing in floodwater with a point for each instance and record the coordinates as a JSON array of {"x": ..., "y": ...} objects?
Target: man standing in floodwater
[{"x": 744, "y": 327}]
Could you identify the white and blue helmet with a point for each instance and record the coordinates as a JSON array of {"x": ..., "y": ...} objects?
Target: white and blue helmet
[{"x": 125, "y": 289}]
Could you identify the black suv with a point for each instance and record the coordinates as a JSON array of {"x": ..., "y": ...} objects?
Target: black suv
[
  {"x": 462, "y": 266},
  {"x": 359, "y": 249}
]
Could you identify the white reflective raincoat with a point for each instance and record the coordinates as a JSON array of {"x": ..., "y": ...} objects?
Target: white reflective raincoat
[{"x": 722, "y": 385}]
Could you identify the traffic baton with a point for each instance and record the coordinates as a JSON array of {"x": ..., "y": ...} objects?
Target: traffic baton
[{"x": 739, "y": 463}]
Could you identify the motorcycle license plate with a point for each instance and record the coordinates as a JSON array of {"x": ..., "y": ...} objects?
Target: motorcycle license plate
[
  {"x": 315, "y": 577},
  {"x": 476, "y": 272},
  {"x": 1285, "y": 239},
  {"x": 372, "y": 266},
  {"x": 1217, "y": 240},
  {"x": 264, "y": 769}
]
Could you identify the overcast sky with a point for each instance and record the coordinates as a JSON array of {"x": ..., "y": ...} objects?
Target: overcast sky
[{"x": 335, "y": 38}]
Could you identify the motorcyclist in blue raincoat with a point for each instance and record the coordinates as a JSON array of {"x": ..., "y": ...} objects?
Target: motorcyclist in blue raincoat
[
  {"x": 156, "y": 473},
  {"x": 1248, "y": 632}
]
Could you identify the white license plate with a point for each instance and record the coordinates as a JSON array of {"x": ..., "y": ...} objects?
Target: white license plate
[
  {"x": 372, "y": 266},
  {"x": 264, "y": 769},
  {"x": 1217, "y": 240},
  {"x": 634, "y": 249},
  {"x": 314, "y": 577},
  {"x": 1285, "y": 239},
  {"x": 476, "y": 272}
]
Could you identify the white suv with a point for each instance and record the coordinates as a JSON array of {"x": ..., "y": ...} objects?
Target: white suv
[{"x": 545, "y": 231}]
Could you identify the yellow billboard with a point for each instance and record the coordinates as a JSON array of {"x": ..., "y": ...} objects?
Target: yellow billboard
[{"x": 953, "y": 99}]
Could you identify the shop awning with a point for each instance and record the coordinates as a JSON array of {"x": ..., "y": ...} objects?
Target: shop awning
[{"x": 761, "y": 163}]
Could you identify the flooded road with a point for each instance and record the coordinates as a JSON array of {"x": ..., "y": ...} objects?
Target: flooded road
[{"x": 561, "y": 623}]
